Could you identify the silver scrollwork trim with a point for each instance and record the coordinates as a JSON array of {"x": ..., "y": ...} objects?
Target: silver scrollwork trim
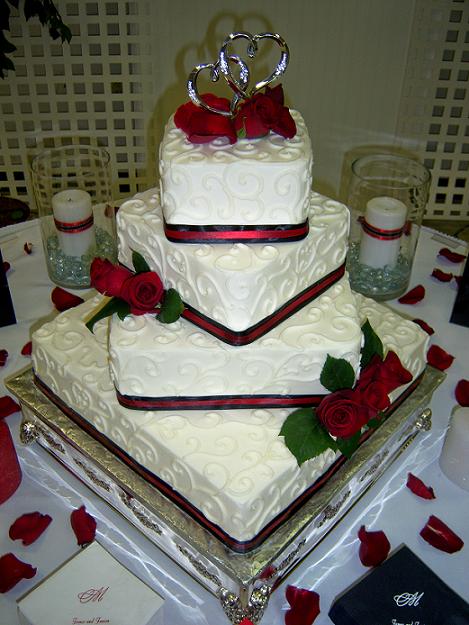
[
  {"x": 331, "y": 510},
  {"x": 291, "y": 556},
  {"x": 199, "y": 567},
  {"x": 375, "y": 466},
  {"x": 32, "y": 431},
  {"x": 129, "y": 502},
  {"x": 92, "y": 476}
]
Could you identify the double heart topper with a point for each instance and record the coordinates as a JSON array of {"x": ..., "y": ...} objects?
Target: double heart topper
[{"x": 237, "y": 79}]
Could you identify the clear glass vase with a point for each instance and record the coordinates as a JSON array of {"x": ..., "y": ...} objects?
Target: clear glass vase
[
  {"x": 72, "y": 187},
  {"x": 387, "y": 198}
]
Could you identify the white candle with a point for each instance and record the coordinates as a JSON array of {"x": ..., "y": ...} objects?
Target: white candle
[
  {"x": 454, "y": 459},
  {"x": 382, "y": 231},
  {"x": 73, "y": 217}
]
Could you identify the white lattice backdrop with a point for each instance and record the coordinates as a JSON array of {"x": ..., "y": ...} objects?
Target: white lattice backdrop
[
  {"x": 363, "y": 72},
  {"x": 434, "y": 113}
]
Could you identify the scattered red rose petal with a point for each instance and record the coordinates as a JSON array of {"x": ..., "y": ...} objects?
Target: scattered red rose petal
[
  {"x": 8, "y": 406},
  {"x": 3, "y": 357},
  {"x": 438, "y": 358},
  {"x": 63, "y": 300},
  {"x": 6, "y": 266},
  {"x": 453, "y": 257},
  {"x": 246, "y": 621},
  {"x": 28, "y": 248},
  {"x": 27, "y": 348},
  {"x": 462, "y": 392},
  {"x": 424, "y": 325},
  {"x": 420, "y": 489},
  {"x": 29, "y": 527},
  {"x": 13, "y": 571},
  {"x": 304, "y": 606},
  {"x": 84, "y": 526},
  {"x": 374, "y": 547},
  {"x": 414, "y": 296},
  {"x": 10, "y": 469},
  {"x": 442, "y": 276},
  {"x": 440, "y": 536}
]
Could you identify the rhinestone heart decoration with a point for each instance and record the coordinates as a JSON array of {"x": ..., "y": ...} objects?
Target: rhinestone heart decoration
[{"x": 229, "y": 65}]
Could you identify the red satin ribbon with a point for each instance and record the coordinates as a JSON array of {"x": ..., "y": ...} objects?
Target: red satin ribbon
[
  {"x": 182, "y": 233},
  {"x": 220, "y": 402},
  {"x": 253, "y": 333},
  {"x": 72, "y": 227},
  {"x": 379, "y": 233}
]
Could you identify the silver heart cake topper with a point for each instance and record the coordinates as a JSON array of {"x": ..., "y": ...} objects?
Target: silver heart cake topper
[{"x": 239, "y": 85}]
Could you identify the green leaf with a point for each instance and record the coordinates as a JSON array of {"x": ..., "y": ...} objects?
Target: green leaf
[
  {"x": 348, "y": 445},
  {"x": 337, "y": 374},
  {"x": 139, "y": 263},
  {"x": 376, "y": 421},
  {"x": 114, "y": 305},
  {"x": 304, "y": 436},
  {"x": 372, "y": 344},
  {"x": 171, "y": 307},
  {"x": 241, "y": 134}
]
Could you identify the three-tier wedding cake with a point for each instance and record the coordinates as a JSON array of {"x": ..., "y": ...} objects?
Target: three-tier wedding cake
[{"x": 230, "y": 305}]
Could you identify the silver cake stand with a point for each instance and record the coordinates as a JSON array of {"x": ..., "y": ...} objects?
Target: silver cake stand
[{"x": 242, "y": 582}]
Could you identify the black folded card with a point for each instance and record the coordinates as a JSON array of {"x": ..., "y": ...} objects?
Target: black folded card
[
  {"x": 460, "y": 314},
  {"x": 401, "y": 591},
  {"x": 7, "y": 313}
]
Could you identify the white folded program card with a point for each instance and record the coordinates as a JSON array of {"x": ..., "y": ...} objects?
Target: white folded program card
[{"x": 91, "y": 587}]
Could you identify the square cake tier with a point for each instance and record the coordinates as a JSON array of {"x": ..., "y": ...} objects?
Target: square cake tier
[
  {"x": 229, "y": 469},
  {"x": 240, "y": 285},
  {"x": 255, "y": 181},
  {"x": 155, "y": 365}
]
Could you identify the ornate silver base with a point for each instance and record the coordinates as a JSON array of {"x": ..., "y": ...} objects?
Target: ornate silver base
[{"x": 243, "y": 583}]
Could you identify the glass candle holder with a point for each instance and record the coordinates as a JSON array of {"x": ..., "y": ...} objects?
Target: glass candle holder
[
  {"x": 387, "y": 198},
  {"x": 72, "y": 187}
]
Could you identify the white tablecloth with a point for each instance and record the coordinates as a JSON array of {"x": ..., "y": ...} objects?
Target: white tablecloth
[{"x": 334, "y": 564}]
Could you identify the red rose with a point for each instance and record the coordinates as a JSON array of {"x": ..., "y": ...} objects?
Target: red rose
[
  {"x": 275, "y": 94},
  {"x": 285, "y": 124},
  {"x": 370, "y": 372},
  {"x": 375, "y": 396},
  {"x": 392, "y": 373},
  {"x": 248, "y": 123},
  {"x": 200, "y": 125},
  {"x": 108, "y": 278},
  {"x": 262, "y": 113},
  {"x": 342, "y": 414},
  {"x": 143, "y": 292}
]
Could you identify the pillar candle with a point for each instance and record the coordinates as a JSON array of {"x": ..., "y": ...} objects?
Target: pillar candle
[
  {"x": 382, "y": 231},
  {"x": 454, "y": 459},
  {"x": 73, "y": 217}
]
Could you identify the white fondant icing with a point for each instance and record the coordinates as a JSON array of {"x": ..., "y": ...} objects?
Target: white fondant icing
[
  {"x": 232, "y": 465},
  {"x": 258, "y": 181},
  {"x": 237, "y": 285},
  {"x": 152, "y": 359},
  {"x": 228, "y": 464}
]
